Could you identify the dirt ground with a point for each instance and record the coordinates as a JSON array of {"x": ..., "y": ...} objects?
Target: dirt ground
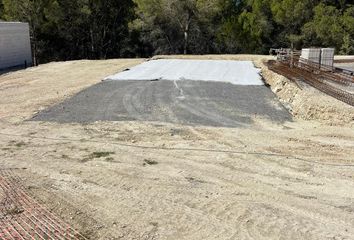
[{"x": 149, "y": 180}]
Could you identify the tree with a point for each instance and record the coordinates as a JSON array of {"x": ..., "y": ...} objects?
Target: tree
[
  {"x": 248, "y": 28},
  {"x": 94, "y": 29},
  {"x": 175, "y": 26},
  {"x": 100, "y": 29},
  {"x": 289, "y": 16},
  {"x": 108, "y": 26},
  {"x": 330, "y": 27},
  {"x": 348, "y": 26},
  {"x": 347, "y": 46},
  {"x": 1, "y": 10},
  {"x": 27, "y": 11},
  {"x": 228, "y": 33},
  {"x": 66, "y": 29}
]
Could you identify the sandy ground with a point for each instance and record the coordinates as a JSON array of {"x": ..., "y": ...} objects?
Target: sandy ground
[{"x": 140, "y": 180}]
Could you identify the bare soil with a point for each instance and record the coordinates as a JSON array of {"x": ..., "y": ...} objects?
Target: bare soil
[{"x": 143, "y": 180}]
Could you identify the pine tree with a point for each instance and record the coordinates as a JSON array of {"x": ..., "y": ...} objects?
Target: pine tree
[
  {"x": 177, "y": 26},
  {"x": 348, "y": 45},
  {"x": 1, "y": 10}
]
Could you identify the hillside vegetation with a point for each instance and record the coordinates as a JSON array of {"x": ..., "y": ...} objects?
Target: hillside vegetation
[{"x": 100, "y": 29}]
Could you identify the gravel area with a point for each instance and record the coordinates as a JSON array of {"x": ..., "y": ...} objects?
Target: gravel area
[{"x": 184, "y": 102}]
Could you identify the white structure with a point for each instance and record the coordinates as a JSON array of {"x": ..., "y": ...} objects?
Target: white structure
[
  {"x": 15, "y": 45},
  {"x": 311, "y": 54},
  {"x": 235, "y": 72},
  {"x": 327, "y": 57},
  {"x": 324, "y": 56}
]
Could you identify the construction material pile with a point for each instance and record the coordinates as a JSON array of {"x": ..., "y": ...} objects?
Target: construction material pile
[{"x": 315, "y": 67}]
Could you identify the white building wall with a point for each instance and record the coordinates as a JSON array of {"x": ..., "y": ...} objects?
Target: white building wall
[{"x": 15, "y": 45}]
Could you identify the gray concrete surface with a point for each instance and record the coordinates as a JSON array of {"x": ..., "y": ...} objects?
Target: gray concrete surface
[
  {"x": 15, "y": 46},
  {"x": 235, "y": 72},
  {"x": 184, "y": 102}
]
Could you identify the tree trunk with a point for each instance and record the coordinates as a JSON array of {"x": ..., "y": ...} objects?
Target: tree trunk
[
  {"x": 92, "y": 47},
  {"x": 34, "y": 45},
  {"x": 185, "y": 43},
  {"x": 186, "y": 36}
]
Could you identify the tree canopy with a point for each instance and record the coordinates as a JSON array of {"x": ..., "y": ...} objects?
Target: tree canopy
[{"x": 99, "y": 29}]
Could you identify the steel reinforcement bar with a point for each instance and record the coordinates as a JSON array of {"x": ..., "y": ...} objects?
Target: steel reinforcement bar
[
  {"x": 21, "y": 217},
  {"x": 312, "y": 79}
]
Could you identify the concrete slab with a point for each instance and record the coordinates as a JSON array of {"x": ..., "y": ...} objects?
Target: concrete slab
[
  {"x": 235, "y": 72},
  {"x": 183, "y": 102}
]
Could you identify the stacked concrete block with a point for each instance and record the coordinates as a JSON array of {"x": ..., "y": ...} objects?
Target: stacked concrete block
[
  {"x": 15, "y": 46},
  {"x": 311, "y": 54},
  {"x": 327, "y": 57},
  {"x": 324, "y": 57}
]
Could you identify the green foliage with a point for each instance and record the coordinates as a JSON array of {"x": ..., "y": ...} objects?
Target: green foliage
[
  {"x": 66, "y": 29},
  {"x": 256, "y": 25},
  {"x": 1, "y": 10},
  {"x": 289, "y": 16},
  {"x": 330, "y": 27},
  {"x": 325, "y": 28},
  {"x": 177, "y": 26},
  {"x": 100, "y": 29},
  {"x": 348, "y": 45},
  {"x": 256, "y": 28}
]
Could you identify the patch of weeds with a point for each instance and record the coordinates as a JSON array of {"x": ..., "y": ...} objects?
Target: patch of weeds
[
  {"x": 110, "y": 159},
  {"x": 100, "y": 154},
  {"x": 95, "y": 155},
  {"x": 17, "y": 144},
  {"x": 194, "y": 180},
  {"x": 155, "y": 224},
  {"x": 86, "y": 159},
  {"x": 20, "y": 144},
  {"x": 150, "y": 162}
]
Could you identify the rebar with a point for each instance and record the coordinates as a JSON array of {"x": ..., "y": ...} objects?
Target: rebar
[
  {"x": 22, "y": 217},
  {"x": 316, "y": 76}
]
